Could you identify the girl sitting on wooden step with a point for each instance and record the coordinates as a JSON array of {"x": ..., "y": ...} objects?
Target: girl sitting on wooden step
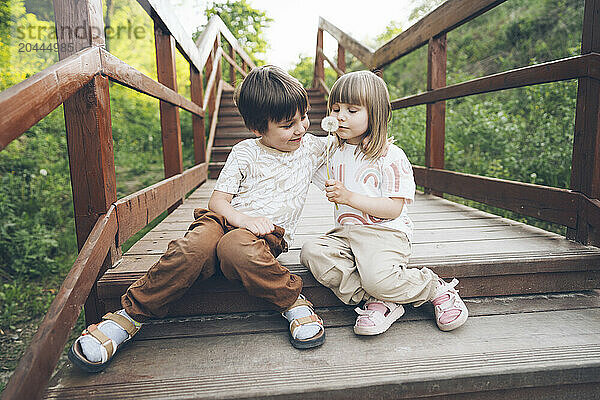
[{"x": 364, "y": 258}]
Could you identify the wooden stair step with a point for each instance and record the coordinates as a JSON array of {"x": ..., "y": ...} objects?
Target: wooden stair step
[{"x": 549, "y": 349}]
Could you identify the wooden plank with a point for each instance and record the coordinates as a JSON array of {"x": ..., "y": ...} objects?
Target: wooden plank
[
  {"x": 233, "y": 67},
  {"x": 26, "y": 103},
  {"x": 319, "y": 71},
  {"x": 585, "y": 167},
  {"x": 360, "y": 51},
  {"x": 212, "y": 325},
  {"x": 138, "y": 209},
  {"x": 552, "y": 71},
  {"x": 448, "y": 16},
  {"x": 79, "y": 25},
  {"x": 212, "y": 79},
  {"x": 198, "y": 129},
  {"x": 543, "y": 202},
  {"x": 121, "y": 72},
  {"x": 435, "y": 119},
  {"x": 341, "y": 58},
  {"x": 492, "y": 353},
  {"x": 37, "y": 364},
  {"x": 331, "y": 63},
  {"x": 169, "y": 114},
  {"x": 213, "y": 121}
]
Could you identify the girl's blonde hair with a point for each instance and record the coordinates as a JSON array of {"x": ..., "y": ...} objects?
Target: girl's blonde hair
[{"x": 366, "y": 89}]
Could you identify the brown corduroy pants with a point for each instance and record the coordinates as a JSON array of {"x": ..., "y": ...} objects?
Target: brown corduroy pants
[{"x": 209, "y": 244}]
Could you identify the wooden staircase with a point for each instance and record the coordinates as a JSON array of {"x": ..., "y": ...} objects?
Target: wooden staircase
[{"x": 231, "y": 128}]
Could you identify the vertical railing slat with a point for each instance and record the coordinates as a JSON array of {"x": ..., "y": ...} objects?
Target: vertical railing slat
[
  {"x": 435, "y": 125},
  {"x": 341, "y": 58},
  {"x": 585, "y": 167},
  {"x": 198, "y": 128},
  {"x": 319, "y": 61}
]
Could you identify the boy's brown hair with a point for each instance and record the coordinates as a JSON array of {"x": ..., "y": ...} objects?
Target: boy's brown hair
[{"x": 269, "y": 93}]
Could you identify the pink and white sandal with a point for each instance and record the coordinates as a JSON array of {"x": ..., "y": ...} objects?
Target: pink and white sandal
[
  {"x": 450, "y": 311},
  {"x": 372, "y": 321}
]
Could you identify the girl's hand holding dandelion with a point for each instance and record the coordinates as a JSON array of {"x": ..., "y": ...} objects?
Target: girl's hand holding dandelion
[{"x": 329, "y": 124}]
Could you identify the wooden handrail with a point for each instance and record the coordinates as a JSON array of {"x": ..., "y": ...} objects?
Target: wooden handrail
[
  {"x": 212, "y": 78},
  {"x": 26, "y": 103},
  {"x": 213, "y": 121},
  {"x": 138, "y": 209},
  {"x": 123, "y": 73},
  {"x": 29, "y": 382},
  {"x": 448, "y": 16},
  {"x": 232, "y": 62},
  {"x": 333, "y": 65},
  {"x": 359, "y": 50},
  {"x": 542, "y": 202},
  {"x": 567, "y": 68}
]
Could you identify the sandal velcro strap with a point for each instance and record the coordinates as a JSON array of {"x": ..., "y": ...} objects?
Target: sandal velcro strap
[
  {"x": 104, "y": 340},
  {"x": 123, "y": 322},
  {"x": 304, "y": 321},
  {"x": 301, "y": 302}
]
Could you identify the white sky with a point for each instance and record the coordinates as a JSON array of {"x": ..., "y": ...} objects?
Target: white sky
[{"x": 293, "y": 31}]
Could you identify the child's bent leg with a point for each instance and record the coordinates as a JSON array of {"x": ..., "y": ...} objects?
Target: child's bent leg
[
  {"x": 247, "y": 258},
  {"x": 331, "y": 261},
  {"x": 186, "y": 260}
]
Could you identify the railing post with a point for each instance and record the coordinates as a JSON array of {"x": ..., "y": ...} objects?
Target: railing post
[
  {"x": 319, "y": 61},
  {"x": 169, "y": 114},
  {"x": 585, "y": 168},
  {"x": 79, "y": 25},
  {"x": 231, "y": 67},
  {"x": 198, "y": 129},
  {"x": 435, "y": 125},
  {"x": 341, "y": 58}
]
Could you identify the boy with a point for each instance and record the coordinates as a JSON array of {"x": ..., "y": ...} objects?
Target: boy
[{"x": 252, "y": 215}]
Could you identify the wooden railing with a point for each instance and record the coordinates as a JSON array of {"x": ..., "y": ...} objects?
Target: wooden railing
[
  {"x": 79, "y": 81},
  {"x": 578, "y": 208}
]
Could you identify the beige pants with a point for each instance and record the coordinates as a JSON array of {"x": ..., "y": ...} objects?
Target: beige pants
[{"x": 361, "y": 262}]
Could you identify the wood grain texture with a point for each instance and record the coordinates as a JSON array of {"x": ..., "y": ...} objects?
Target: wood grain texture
[
  {"x": 26, "y": 103},
  {"x": 543, "y": 202},
  {"x": 37, "y": 364},
  {"x": 125, "y": 74},
  {"x": 357, "y": 49},
  {"x": 198, "y": 128},
  {"x": 138, "y": 209},
  {"x": 552, "y": 71},
  {"x": 446, "y": 17}
]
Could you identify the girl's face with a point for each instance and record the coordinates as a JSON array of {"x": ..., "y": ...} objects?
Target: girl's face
[{"x": 353, "y": 120}]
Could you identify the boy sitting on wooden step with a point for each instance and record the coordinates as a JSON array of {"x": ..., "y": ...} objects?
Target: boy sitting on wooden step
[{"x": 252, "y": 215}]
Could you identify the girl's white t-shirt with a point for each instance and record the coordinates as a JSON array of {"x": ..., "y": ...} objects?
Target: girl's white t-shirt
[{"x": 388, "y": 176}]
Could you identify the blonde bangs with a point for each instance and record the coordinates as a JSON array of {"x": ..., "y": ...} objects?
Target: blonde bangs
[{"x": 366, "y": 89}]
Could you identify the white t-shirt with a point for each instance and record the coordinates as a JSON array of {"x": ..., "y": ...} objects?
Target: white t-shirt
[
  {"x": 266, "y": 182},
  {"x": 388, "y": 176}
]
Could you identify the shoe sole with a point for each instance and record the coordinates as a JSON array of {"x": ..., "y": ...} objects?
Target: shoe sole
[
  {"x": 308, "y": 344},
  {"x": 384, "y": 326}
]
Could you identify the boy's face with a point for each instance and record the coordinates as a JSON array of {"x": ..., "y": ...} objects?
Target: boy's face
[{"x": 285, "y": 135}]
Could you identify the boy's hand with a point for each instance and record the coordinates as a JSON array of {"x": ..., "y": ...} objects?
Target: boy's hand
[
  {"x": 260, "y": 226},
  {"x": 336, "y": 192}
]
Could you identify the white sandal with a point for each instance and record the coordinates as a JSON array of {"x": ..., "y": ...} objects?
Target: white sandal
[{"x": 381, "y": 322}]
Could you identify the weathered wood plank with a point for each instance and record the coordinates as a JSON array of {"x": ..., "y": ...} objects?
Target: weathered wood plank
[
  {"x": 26, "y": 103},
  {"x": 446, "y": 17},
  {"x": 552, "y": 71},
  {"x": 169, "y": 114},
  {"x": 435, "y": 119},
  {"x": 543, "y": 202},
  {"x": 585, "y": 164},
  {"x": 138, "y": 209},
  {"x": 198, "y": 129},
  {"x": 121, "y": 72},
  {"x": 525, "y": 350},
  {"x": 37, "y": 364},
  {"x": 359, "y": 50}
]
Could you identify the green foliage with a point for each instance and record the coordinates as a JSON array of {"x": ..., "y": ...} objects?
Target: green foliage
[{"x": 246, "y": 23}]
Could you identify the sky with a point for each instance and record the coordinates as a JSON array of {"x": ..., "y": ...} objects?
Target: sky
[{"x": 294, "y": 29}]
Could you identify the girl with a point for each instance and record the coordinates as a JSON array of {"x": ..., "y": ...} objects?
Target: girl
[{"x": 365, "y": 256}]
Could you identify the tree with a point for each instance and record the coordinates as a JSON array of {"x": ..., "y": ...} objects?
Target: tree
[{"x": 246, "y": 23}]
